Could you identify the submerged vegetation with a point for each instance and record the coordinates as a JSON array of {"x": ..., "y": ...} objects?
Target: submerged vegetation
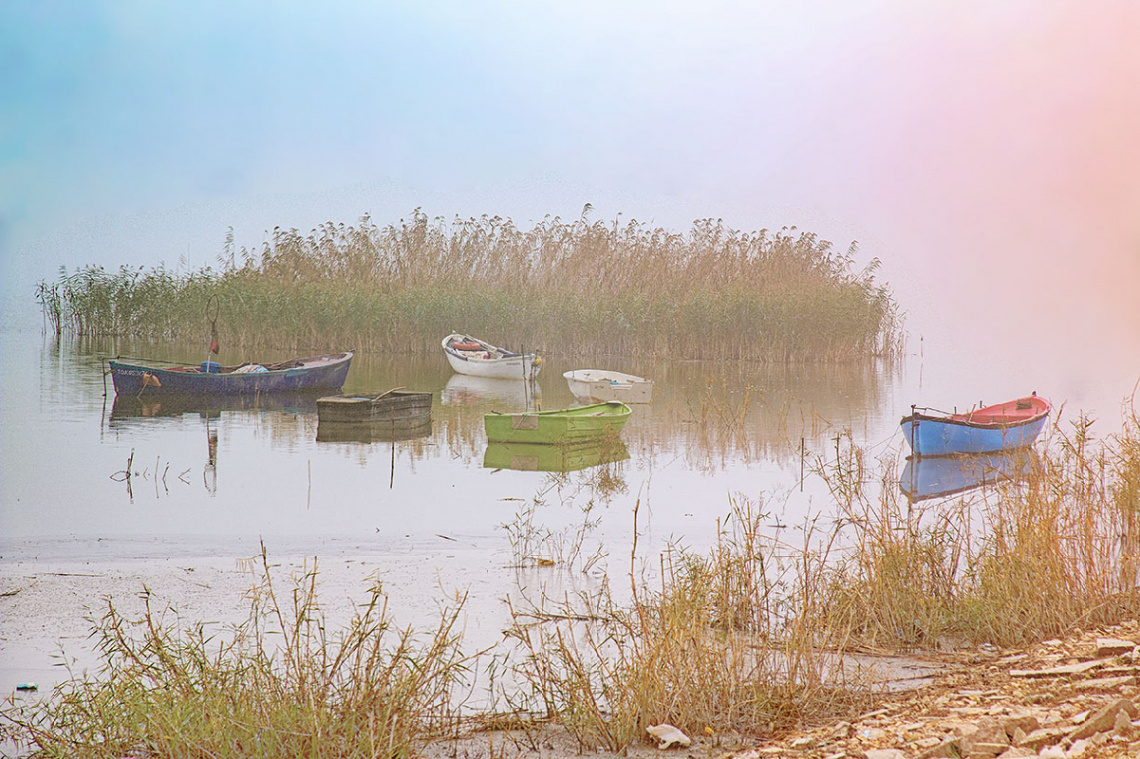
[
  {"x": 751, "y": 638},
  {"x": 577, "y": 287}
]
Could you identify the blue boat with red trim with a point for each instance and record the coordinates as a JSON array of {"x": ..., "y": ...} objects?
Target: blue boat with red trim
[
  {"x": 145, "y": 377},
  {"x": 1003, "y": 426}
]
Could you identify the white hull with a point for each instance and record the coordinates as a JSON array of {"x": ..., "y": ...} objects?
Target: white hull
[
  {"x": 490, "y": 361},
  {"x": 605, "y": 385}
]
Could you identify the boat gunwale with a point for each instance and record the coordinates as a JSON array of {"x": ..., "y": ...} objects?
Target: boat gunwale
[
  {"x": 948, "y": 418},
  {"x": 183, "y": 369},
  {"x": 588, "y": 411},
  {"x": 505, "y": 355}
]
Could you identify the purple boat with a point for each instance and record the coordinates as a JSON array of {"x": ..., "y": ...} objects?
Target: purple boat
[{"x": 141, "y": 377}]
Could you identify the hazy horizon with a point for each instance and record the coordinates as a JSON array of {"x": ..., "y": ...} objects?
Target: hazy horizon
[{"x": 972, "y": 147}]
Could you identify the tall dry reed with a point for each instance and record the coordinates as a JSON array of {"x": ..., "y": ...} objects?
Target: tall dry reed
[{"x": 581, "y": 287}]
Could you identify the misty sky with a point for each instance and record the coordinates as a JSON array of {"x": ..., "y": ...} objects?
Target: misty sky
[{"x": 962, "y": 142}]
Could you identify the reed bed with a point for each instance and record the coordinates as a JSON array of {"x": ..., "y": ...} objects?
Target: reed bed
[
  {"x": 580, "y": 287},
  {"x": 280, "y": 684},
  {"x": 719, "y": 648},
  {"x": 1025, "y": 562}
]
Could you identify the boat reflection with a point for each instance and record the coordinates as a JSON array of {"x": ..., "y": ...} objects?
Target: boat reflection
[
  {"x": 385, "y": 431},
  {"x": 463, "y": 389},
  {"x": 128, "y": 407},
  {"x": 925, "y": 477},
  {"x": 563, "y": 457}
]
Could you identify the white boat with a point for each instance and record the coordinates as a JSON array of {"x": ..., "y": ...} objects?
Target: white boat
[
  {"x": 469, "y": 355},
  {"x": 606, "y": 385}
]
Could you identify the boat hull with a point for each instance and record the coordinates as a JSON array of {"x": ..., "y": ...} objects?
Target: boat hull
[
  {"x": 559, "y": 426},
  {"x": 604, "y": 385},
  {"x": 397, "y": 408},
  {"x": 486, "y": 360},
  {"x": 326, "y": 372},
  {"x": 952, "y": 434}
]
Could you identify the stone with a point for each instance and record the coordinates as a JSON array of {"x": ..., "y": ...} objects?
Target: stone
[
  {"x": 1106, "y": 684},
  {"x": 1078, "y": 748},
  {"x": 1017, "y": 752},
  {"x": 668, "y": 736},
  {"x": 1025, "y": 722},
  {"x": 886, "y": 753},
  {"x": 1113, "y": 647},
  {"x": 990, "y": 739},
  {"x": 1103, "y": 719},
  {"x": 1044, "y": 736},
  {"x": 1122, "y": 725},
  {"x": 1064, "y": 669},
  {"x": 947, "y": 749},
  {"x": 1053, "y": 752}
]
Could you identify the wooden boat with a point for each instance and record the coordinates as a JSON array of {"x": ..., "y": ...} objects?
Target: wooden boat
[
  {"x": 398, "y": 408},
  {"x": 941, "y": 476},
  {"x": 557, "y": 426},
  {"x": 469, "y": 355},
  {"x": 1003, "y": 426},
  {"x": 564, "y": 457},
  {"x": 606, "y": 385},
  {"x": 142, "y": 377}
]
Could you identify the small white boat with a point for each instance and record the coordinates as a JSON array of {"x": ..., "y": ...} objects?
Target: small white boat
[
  {"x": 606, "y": 385},
  {"x": 469, "y": 355}
]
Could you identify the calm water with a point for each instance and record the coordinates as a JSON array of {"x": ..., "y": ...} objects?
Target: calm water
[
  {"x": 207, "y": 484},
  {"x": 202, "y": 472}
]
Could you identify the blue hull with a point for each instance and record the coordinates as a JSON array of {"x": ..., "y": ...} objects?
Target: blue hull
[
  {"x": 933, "y": 436},
  {"x": 326, "y": 372}
]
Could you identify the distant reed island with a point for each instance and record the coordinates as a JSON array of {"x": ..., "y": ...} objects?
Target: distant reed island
[{"x": 582, "y": 287}]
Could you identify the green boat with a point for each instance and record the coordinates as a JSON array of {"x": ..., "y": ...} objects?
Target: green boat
[
  {"x": 557, "y": 426},
  {"x": 563, "y": 457}
]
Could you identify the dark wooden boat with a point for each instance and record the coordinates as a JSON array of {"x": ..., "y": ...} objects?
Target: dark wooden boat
[
  {"x": 396, "y": 408},
  {"x": 144, "y": 377}
]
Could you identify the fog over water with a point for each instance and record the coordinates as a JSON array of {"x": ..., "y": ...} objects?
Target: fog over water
[{"x": 986, "y": 153}]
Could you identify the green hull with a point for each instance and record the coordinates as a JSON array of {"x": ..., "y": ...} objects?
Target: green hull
[
  {"x": 565, "y": 457},
  {"x": 559, "y": 426}
]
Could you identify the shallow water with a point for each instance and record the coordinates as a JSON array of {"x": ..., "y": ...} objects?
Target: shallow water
[{"x": 430, "y": 515}]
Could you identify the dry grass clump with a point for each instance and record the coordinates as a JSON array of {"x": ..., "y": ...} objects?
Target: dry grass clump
[
  {"x": 1031, "y": 561},
  {"x": 721, "y": 647},
  {"x": 280, "y": 684},
  {"x": 577, "y": 287}
]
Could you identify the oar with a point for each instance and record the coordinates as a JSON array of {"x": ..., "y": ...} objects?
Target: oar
[{"x": 386, "y": 392}]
